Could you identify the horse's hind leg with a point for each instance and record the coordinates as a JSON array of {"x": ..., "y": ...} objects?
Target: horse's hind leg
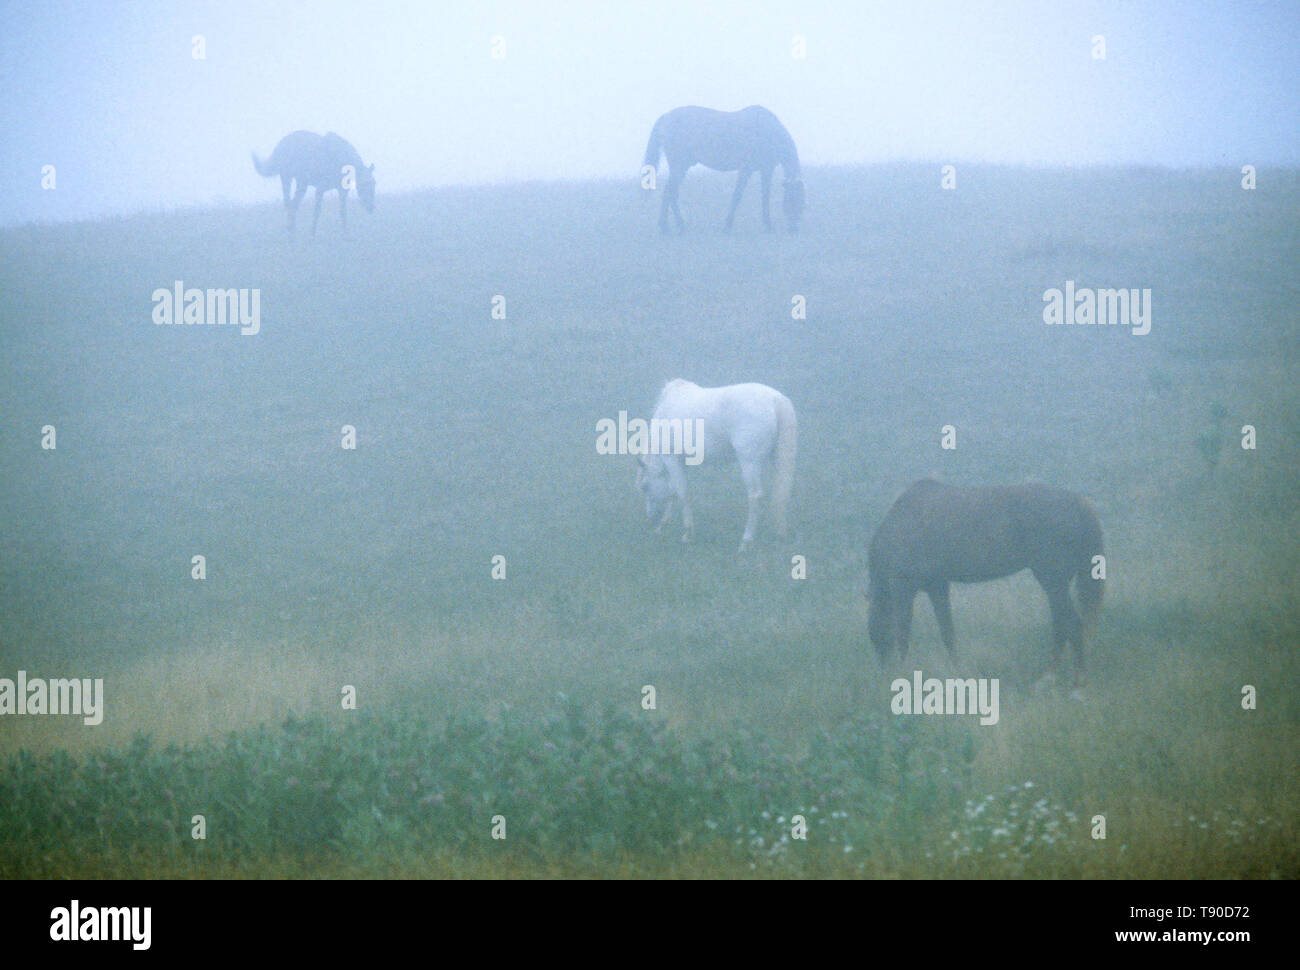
[
  {"x": 1067, "y": 626},
  {"x": 766, "y": 175},
  {"x": 674, "y": 184},
  {"x": 742, "y": 179},
  {"x": 1079, "y": 675},
  {"x": 291, "y": 205},
  {"x": 938, "y": 594},
  {"x": 670, "y": 200},
  {"x": 753, "y": 477},
  {"x": 1075, "y": 636},
  {"x": 315, "y": 214}
]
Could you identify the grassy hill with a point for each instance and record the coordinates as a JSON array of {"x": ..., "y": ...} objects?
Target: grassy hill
[{"x": 476, "y": 438}]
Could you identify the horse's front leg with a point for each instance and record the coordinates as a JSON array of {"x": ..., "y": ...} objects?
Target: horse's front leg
[
  {"x": 938, "y": 593},
  {"x": 742, "y": 179},
  {"x": 315, "y": 215},
  {"x": 767, "y": 195},
  {"x": 1080, "y": 675},
  {"x": 688, "y": 522},
  {"x": 677, "y": 478},
  {"x": 663, "y": 519},
  {"x": 343, "y": 208},
  {"x": 902, "y": 596},
  {"x": 1066, "y": 624}
]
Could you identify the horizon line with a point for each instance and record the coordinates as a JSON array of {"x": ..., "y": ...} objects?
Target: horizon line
[{"x": 217, "y": 204}]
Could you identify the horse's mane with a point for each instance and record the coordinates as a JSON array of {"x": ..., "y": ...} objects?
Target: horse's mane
[
  {"x": 354, "y": 156},
  {"x": 789, "y": 154}
]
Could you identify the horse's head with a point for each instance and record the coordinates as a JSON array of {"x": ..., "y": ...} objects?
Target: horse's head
[
  {"x": 792, "y": 203},
  {"x": 652, "y": 482},
  {"x": 366, "y": 187}
]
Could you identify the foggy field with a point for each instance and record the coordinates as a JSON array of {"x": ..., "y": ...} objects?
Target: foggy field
[{"x": 476, "y": 438}]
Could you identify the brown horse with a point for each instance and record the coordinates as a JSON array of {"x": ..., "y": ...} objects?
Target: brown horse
[
  {"x": 304, "y": 159},
  {"x": 938, "y": 534},
  {"x": 746, "y": 141}
]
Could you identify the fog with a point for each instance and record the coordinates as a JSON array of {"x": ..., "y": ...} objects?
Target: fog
[{"x": 117, "y": 99}]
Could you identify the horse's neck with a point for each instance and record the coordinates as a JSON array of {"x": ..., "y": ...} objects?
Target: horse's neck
[
  {"x": 787, "y": 156},
  {"x": 344, "y": 151},
  {"x": 353, "y": 157}
]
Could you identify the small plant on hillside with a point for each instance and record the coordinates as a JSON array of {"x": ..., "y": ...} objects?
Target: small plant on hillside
[
  {"x": 1011, "y": 831},
  {"x": 1210, "y": 442}
]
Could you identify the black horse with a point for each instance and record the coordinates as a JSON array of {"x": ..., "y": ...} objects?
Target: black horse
[
  {"x": 322, "y": 161},
  {"x": 937, "y": 534},
  {"x": 747, "y": 141}
]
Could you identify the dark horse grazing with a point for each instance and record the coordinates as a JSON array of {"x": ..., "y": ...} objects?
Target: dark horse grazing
[
  {"x": 316, "y": 160},
  {"x": 746, "y": 141},
  {"x": 939, "y": 534}
]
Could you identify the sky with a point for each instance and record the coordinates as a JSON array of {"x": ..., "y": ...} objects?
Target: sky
[{"x": 113, "y": 96}]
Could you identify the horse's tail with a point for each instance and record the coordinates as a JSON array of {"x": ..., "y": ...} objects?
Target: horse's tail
[
  {"x": 1089, "y": 581},
  {"x": 783, "y": 478},
  {"x": 265, "y": 169},
  {"x": 656, "y": 145}
]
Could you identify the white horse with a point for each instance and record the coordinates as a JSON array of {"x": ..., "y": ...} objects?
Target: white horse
[{"x": 751, "y": 422}]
